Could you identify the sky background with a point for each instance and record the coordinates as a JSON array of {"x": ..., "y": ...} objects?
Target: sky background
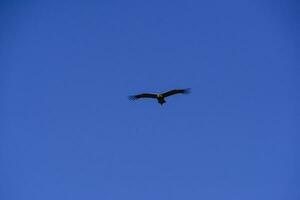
[{"x": 68, "y": 130}]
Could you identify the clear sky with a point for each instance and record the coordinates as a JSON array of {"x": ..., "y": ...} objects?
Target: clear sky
[{"x": 68, "y": 130}]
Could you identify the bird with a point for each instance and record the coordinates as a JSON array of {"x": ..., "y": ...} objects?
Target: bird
[{"x": 160, "y": 96}]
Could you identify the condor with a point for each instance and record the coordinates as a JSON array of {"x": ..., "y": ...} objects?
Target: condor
[{"x": 160, "y": 96}]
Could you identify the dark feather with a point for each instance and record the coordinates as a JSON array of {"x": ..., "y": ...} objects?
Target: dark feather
[
  {"x": 143, "y": 95},
  {"x": 176, "y": 91}
]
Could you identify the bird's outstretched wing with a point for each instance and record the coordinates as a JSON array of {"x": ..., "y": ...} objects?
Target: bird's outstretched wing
[
  {"x": 176, "y": 91},
  {"x": 143, "y": 95}
]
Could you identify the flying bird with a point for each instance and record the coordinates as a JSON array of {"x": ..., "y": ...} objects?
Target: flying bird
[{"x": 160, "y": 96}]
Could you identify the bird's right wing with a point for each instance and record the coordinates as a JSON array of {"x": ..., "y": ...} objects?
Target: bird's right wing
[
  {"x": 176, "y": 91},
  {"x": 143, "y": 95}
]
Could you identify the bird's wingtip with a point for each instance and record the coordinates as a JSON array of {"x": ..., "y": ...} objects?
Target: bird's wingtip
[
  {"x": 132, "y": 97},
  {"x": 187, "y": 91}
]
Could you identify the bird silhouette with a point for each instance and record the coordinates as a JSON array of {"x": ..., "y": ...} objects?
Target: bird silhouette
[{"x": 160, "y": 96}]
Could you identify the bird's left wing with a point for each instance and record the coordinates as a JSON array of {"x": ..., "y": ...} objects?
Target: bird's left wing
[{"x": 143, "y": 95}]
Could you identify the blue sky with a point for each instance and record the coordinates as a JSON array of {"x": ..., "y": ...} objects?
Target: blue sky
[{"x": 68, "y": 130}]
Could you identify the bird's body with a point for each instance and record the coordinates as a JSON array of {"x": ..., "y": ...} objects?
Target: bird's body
[
  {"x": 160, "y": 96},
  {"x": 161, "y": 100}
]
